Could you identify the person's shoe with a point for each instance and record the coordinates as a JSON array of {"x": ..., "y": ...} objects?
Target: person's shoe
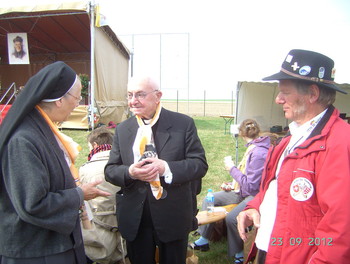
[
  {"x": 196, "y": 233},
  {"x": 239, "y": 260},
  {"x": 204, "y": 247}
]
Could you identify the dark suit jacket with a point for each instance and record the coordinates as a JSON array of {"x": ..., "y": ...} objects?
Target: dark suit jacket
[{"x": 177, "y": 143}]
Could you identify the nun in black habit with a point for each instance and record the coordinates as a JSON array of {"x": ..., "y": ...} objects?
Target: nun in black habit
[{"x": 40, "y": 196}]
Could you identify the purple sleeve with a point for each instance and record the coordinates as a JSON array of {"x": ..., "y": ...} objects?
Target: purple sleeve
[{"x": 250, "y": 181}]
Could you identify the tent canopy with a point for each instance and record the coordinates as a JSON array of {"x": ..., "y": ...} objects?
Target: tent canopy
[
  {"x": 256, "y": 100},
  {"x": 52, "y": 29},
  {"x": 63, "y": 32}
]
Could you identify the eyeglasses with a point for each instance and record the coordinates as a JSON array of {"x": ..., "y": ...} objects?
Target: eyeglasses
[
  {"x": 75, "y": 97},
  {"x": 139, "y": 95}
]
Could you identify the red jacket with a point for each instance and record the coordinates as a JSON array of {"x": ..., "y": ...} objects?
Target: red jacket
[{"x": 314, "y": 226}]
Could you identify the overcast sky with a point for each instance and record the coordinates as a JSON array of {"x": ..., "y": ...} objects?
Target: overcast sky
[
  {"x": 212, "y": 44},
  {"x": 246, "y": 40}
]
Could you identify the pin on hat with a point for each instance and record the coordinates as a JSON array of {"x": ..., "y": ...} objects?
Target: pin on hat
[{"x": 308, "y": 66}]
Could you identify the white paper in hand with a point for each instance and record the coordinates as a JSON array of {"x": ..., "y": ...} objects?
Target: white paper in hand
[{"x": 228, "y": 162}]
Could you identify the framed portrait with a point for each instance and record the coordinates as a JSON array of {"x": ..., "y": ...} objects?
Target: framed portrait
[{"x": 18, "y": 50}]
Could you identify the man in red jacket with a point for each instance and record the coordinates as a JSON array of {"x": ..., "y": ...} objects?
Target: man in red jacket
[{"x": 301, "y": 210}]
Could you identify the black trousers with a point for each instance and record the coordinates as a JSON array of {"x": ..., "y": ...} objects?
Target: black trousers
[
  {"x": 261, "y": 257},
  {"x": 142, "y": 249}
]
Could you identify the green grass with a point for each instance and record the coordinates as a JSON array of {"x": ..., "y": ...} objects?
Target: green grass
[
  {"x": 79, "y": 136},
  {"x": 217, "y": 145}
]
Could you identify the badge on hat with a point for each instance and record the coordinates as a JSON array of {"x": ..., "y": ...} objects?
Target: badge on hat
[
  {"x": 321, "y": 72},
  {"x": 301, "y": 189},
  {"x": 305, "y": 70},
  {"x": 309, "y": 66}
]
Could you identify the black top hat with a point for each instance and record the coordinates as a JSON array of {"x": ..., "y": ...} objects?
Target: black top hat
[{"x": 308, "y": 66}]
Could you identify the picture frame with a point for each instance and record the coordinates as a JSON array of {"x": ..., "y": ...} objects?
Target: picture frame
[{"x": 18, "y": 50}]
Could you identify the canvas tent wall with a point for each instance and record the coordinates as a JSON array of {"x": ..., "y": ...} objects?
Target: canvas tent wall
[
  {"x": 112, "y": 77},
  {"x": 257, "y": 100},
  {"x": 63, "y": 32}
]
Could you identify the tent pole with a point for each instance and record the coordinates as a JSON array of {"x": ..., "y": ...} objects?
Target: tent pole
[
  {"x": 237, "y": 97},
  {"x": 236, "y": 119},
  {"x": 92, "y": 66}
]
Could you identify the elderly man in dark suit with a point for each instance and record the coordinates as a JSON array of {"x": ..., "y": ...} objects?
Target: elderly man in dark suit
[{"x": 158, "y": 161}]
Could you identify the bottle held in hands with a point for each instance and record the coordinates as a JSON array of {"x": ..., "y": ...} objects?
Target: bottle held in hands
[{"x": 226, "y": 186}]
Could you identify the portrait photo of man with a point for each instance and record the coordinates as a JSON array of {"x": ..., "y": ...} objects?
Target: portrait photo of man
[{"x": 18, "y": 48}]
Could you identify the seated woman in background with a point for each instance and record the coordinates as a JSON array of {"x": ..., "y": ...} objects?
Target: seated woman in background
[{"x": 245, "y": 185}]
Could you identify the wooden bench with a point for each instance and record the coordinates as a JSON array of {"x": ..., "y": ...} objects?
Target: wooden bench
[{"x": 204, "y": 218}]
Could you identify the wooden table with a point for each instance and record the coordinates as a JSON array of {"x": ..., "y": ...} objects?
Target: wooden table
[
  {"x": 203, "y": 217},
  {"x": 228, "y": 121}
]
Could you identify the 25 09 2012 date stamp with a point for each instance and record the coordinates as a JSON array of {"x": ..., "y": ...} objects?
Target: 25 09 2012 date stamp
[{"x": 298, "y": 241}]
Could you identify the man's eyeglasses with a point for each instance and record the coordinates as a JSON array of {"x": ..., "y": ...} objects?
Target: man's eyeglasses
[
  {"x": 139, "y": 95},
  {"x": 75, "y": 97}
]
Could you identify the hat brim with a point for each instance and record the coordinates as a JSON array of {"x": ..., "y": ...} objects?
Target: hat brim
[{"x": 283, "y": 76}]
